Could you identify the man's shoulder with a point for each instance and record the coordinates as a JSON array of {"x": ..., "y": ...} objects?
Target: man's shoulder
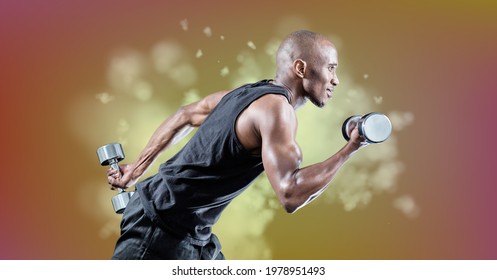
[
  {"x": 274, "y": 99},
  {"x": 272, "y": 106}
]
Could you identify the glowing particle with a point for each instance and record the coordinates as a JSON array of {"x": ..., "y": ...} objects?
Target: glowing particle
[
  {"x": 222, "y": 37},
  {"x": 251, "y": 45},
  {"x": 166, "y": 55},
  {"x": 104, "y": 97},
  {"x": 400, "y": 119},
  {"x": 184, "y": 74},
  {"x": 199, "y": 53},
  {"x": 366, "y": 76},
  {"x": 407, "y": 206},
  {"x": 208, "y": 31},
  {"x": 225, "y": 71},
  {"x": 378, "y": 99},
  {"x": 184, "y": 24},
  {"x": 126, "y": 66}
]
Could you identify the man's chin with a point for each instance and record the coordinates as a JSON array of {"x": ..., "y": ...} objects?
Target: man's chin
[{"x": 319, "y": 103}]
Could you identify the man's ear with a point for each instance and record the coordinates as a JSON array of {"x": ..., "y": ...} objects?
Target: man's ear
[{"x": 299, "y": 67}]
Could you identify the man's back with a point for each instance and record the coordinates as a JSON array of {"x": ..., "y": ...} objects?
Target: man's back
[{"x": 193, "y": 187}]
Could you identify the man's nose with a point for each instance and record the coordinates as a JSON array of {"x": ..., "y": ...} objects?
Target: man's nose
[{"x": 334, "y": 81}]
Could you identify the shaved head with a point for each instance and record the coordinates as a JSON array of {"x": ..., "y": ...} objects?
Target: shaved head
[
  {"x": 302, "y": 45},
  {"x": 306, "y": 65}
]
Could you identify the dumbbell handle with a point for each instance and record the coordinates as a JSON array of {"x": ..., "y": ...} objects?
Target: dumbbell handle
[
  {"x": 114, "y": 165},
  {"x": 119, "y": 201}
]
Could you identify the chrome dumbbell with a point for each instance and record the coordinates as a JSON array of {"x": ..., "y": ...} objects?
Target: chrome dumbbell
[
  {"x": 373, "y": 127},
  {"x": 111, "y": 154}
]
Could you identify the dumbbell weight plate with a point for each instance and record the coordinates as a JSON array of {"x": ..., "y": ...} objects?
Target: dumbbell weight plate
[
  {"x": 120, "y": 201},
  {"x": 375, "y": 127},
  {"x": 347, "y": 125},
  {"x": 110, "y": 153}
]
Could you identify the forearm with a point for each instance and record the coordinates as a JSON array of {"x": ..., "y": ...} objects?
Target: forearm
[
  {"x": 309, "y": 182},
  {"x": 168, "y": 133}
]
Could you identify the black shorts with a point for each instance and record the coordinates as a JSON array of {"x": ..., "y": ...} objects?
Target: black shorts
[{"x": 142, "y": 239}]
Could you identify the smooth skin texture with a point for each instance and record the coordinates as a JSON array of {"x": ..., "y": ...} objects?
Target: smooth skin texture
[{"x": 306, "y": 67}]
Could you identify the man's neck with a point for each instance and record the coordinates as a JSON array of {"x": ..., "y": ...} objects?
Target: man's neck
[{"x": 296, "y": 100}]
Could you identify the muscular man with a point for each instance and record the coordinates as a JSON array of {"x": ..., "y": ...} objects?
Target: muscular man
[{"x": 240, "y": 134}]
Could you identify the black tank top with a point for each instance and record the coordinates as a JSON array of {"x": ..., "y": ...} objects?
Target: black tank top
[{"x": 191, "y": 189}]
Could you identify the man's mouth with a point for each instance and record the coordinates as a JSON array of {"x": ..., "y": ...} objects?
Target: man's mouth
[{"x": 329, "y": 92}]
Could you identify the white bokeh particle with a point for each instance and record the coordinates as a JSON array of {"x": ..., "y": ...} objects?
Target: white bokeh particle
[
  {"x": 184, "y": 24},
  {"x": 225, "y": 71},
  {"x": 207, "y": 31},
  {"x": 199, "y": 53},
  {"x": 104, "y": 97},
  {"x": 251, "y": 45}
]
